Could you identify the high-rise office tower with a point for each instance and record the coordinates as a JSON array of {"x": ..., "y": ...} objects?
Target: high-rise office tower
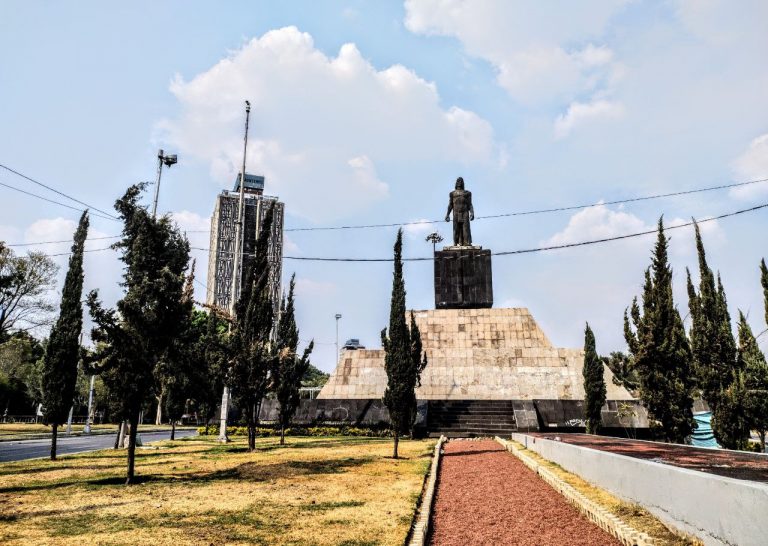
[{"x": 220, "y": 257}]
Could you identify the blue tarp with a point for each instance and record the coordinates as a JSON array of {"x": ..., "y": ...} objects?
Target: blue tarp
[{"x": 702, "y": 436}]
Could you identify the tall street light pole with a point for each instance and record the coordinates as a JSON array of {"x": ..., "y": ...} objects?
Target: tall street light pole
[
  {"x": 235, "y": 270},
  {"x": 166, "y": 160},
  {"x": 338, "y": 316}
]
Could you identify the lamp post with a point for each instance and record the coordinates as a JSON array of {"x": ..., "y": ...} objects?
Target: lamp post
[
  {"x": 235, "y": 272},
  {"x": 338, "y": 316},
  {"x": 168, "y": 160},
  {"x": 434, "y": 238}
]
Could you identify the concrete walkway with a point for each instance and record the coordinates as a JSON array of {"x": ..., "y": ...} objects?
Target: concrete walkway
[{"x": 487, "y": 496}]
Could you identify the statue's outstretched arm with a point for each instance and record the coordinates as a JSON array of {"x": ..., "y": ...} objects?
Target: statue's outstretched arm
[
  {"x": 471, "y": 208},
  {"x": 450, "y": 208}
]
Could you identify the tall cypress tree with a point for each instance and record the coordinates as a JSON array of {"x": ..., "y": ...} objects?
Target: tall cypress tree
[
  {"x": 214, "y": 351},
  {"x": 404, "y": 360},
  {"x": 289, "y": 368},
  {"x": 180, "y": 372},
  {"x": 594, "y": 384},
  {"x": 764, "y": 282},
  {"x": 712, "y": 342},
  {"x": 752, "y": 362},
  {"x": 251, "y": 350},
  {"x": 661, "y": 350},
  {"x": 134, "y": 338},
  {"x": 61, "y": 354}
]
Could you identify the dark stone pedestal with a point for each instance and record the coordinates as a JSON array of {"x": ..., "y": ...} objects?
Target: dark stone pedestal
[{"x": 463, "y": 278}]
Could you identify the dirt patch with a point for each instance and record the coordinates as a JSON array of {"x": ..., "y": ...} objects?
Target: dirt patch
[
  {"x": 486, "y": 496},
  {"x": 731, "y": 464}
]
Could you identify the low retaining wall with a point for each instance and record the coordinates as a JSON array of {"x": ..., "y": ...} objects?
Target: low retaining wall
[
  {"x": 718, "y": 510},
  {"x": 421, "y": 528}
]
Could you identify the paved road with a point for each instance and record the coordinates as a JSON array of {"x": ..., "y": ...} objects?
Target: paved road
[{"x": 30, "y": 449}]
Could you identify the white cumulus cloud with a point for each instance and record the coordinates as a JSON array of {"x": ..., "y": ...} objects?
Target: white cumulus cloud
[
  {"x": 752, "y": 165},
  {"x": 538, "y": 57},
  {"x": 598, "y": 222},
  {"x": 321, "y": 126},
  {"x": 580, "y": 113}
]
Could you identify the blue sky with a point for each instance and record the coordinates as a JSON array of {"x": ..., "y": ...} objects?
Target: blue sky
[{"x": 366, "y": 112}]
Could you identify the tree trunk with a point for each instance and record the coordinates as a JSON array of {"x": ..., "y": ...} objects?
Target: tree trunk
[
  {"x": 159, "y": 414},
  {"x": 132, "y": 448},
  {"x": 762, "y": 441},
  {"x": 173, "y": 430},
  {"x": 123, "y": 433},
  {"x": 397, "y": 440},
  {"x": 54, "y": 433},
  {"x": 119, "y": 433},
  {"x": 282, "y": 434}
]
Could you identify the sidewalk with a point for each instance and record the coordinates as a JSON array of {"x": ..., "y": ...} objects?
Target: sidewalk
[{"x": 486, "y": 496}]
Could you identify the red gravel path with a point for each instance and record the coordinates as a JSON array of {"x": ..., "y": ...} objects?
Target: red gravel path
[
  {"x": 732, "y": 464},
  {"x": 487, "y": 496}
]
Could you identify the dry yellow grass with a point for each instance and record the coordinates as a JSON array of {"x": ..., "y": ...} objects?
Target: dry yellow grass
[
  {"x": 633, "y": 514},
  {"x": 341, "y": 491}
]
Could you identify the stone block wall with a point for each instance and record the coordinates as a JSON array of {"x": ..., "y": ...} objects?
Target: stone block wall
[{"x": 475, "y": 354}]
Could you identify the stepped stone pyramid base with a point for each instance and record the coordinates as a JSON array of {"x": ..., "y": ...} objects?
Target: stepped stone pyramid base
[
  {"x": 487, "y": 355},
  {"x": 475, "y": 354}
]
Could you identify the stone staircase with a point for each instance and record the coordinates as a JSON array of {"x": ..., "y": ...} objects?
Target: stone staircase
[{"x": 470, "y": 418}]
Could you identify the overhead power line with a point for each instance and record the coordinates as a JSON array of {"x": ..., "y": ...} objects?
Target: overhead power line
[
  {"x": 63, "y": 241},
  {"x": 529, "y": 250},
  {"x": 53, "y": 201},
  {"x": 54, "y": 190},
  {"x": 501, "y": 215},
  {"x": 543, "y": 211}
]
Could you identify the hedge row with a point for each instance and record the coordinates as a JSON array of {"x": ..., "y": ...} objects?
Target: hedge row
[{"x": 264, "y": 432}]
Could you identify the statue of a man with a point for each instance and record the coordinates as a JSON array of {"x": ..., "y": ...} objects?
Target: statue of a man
[{"x": 460, "y": 202}]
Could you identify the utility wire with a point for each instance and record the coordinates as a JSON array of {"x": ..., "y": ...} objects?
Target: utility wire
[
  {"x": 54, "y": 202},
  {"x": 63, "y": 241},
  {"x": 86, "y": 250},
  {"x": 543, "y": 211},
  {"x": 527, "y": 250},
  {"x": 502, "y": 215},
  {"x": 54, "y": 190}
]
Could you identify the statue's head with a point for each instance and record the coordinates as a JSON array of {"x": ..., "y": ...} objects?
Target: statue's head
[{"x": 459, "y": 183}]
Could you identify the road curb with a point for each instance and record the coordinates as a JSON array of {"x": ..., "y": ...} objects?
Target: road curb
[
  {"x": 610, "y": 523},
  {"x": 420, "y": 528}
]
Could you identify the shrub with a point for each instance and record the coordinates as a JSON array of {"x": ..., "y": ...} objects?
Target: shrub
[{"x": 344, "y": 430}]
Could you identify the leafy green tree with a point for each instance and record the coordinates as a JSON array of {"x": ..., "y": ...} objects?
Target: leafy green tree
[
  {"x": 660, "y": 349},
  {"x": 21, "y": 362},
  {"x": 62, "y": 353},
  {"x": 404, "y": 360},
  {"x": 594, "y": 384},
  {"x": 288, "y": 367},
  {"x": 623, "y": 367},
  {"x": 25, "y": 282},
  {"x": 764, "y": 282},
  {"x": 183, "y": 368},
  {"x": 133, "y": 338},
  {"x": 731, "y": 415},
  {"x": 251, "y": 344},
  {"x": 752, "y": 361},
  {"x": 213, "y": 347},
  {"x": 314, "y": 377},
  {"x": 712, "y": 342}
]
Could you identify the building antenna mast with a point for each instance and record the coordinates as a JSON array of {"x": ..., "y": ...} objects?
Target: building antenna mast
[{"x": 237, "y": 252}]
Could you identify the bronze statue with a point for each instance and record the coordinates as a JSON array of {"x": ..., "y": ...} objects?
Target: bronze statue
[{"x": 460, "y": 202}]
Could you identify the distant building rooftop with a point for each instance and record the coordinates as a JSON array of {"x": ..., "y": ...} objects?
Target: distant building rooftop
[
  {"x": 253, "y": 183},
  {"x": 353, "y": 344}
]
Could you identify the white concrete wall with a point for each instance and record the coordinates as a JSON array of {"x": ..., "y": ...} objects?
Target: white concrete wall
[{"x": 718, "y": 510}]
